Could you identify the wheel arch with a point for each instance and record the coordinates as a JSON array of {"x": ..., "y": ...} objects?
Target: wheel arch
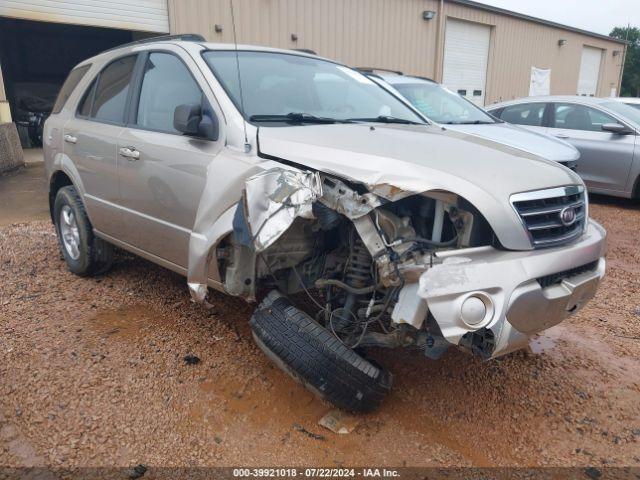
[{"x": 58, "y": 179}]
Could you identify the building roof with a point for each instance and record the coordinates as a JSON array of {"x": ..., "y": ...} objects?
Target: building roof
[{"x": 510, "y": 13}]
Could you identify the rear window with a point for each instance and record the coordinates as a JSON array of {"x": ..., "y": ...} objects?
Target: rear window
[{"x": 69, "y": 86}]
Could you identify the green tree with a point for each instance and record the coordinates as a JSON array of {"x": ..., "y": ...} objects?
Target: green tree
[{"x": 631, "y": 75}]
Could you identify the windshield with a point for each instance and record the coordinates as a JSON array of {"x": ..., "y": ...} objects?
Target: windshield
[
  {"x": 441, "y": 105},
  {"x": 279, "y": 87},
  {"x": 624, "y": 110}
]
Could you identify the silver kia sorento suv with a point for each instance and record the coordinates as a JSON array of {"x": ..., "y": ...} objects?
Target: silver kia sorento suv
[{"x": 279, "y": 176}]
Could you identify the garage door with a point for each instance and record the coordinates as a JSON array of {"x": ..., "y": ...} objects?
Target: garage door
[
  {"x": 142, "y": 15},
  {"x": 589, "y": 71},
  {"x": 466, "y": 53}
]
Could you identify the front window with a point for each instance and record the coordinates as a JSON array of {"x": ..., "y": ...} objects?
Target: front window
[
  {"x": 579, "y": 117},
  {"x": 277, "y": 84},
  {"x": 442, "y": 105}
]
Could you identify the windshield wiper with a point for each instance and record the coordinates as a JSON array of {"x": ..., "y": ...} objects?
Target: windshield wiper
[
  {"x": 295, "y": 117},
  {"x": 470, "y": 122},
  {"x": 387, "y": 119}
]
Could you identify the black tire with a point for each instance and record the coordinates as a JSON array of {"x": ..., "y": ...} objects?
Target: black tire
[
  {"x": 95, "y": 255},
  {"x": 314, "y": 357}
]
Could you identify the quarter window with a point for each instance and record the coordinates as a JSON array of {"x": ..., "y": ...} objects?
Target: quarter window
[
  {"x": 110, "y": 98},
  {"x": 580, "y": 117},
  {"x": 166, "y": 84},
  {"x": 524, "y": 114},
  {"x": 68, "y": 86}
]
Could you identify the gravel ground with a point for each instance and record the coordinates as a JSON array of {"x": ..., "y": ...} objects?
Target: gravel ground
[{"x": 93, "y": 374}]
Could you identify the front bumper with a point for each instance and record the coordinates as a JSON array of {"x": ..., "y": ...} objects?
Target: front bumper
[{"x": 519, "y": 300}]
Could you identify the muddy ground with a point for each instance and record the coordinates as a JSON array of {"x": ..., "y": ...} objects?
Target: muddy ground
[{"x": 92, "y": 373}]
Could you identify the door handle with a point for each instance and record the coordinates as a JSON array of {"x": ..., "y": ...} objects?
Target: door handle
[
  {"x": 70, "y": 138},
  {"x": 129, "y": 152},
  {"x": 562, "y": 135}
]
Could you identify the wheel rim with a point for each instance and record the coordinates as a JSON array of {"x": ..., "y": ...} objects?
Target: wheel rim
[{"x": 69, "y": 232}]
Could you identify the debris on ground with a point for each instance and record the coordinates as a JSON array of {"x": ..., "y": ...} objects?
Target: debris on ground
[
  {"x": 191, "y": 359},
  {"x": 339, "y": 421},
  {"x": 299, "y": 428}
]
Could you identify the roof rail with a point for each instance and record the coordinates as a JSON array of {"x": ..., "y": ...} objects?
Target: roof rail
[
  {"x": 377, "y": 69},
  {"x": 305, "y": 50},
  {"x": 184, "y": 37}
]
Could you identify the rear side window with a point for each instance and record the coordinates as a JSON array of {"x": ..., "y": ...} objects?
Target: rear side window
[
  {"x": 106, "y": 98},
  {"x": 166, "y": 84},
  {"x": 69, "y": 86},
  {"x": 524, "y": 114}
]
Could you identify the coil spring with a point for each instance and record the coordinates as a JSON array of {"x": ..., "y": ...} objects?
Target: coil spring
[{"x": 358, "y": 273}]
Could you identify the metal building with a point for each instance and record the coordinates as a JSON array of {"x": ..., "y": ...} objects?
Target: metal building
[{"x": 482, "y": 52}]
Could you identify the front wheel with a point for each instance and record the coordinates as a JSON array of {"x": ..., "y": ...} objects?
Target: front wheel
[{"x": 84, "y": 253}]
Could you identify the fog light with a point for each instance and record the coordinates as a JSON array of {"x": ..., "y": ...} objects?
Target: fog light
[{"x": 473, "y": 311}]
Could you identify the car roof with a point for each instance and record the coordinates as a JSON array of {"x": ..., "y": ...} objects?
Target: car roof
[
  {"x": 188, "y": 42},
  {"x": 552, "y": 98}
]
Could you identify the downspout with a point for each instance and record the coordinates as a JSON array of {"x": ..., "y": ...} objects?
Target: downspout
[
  {"x": 624, "y": 59},
  {"x": 439, "y": 48}
]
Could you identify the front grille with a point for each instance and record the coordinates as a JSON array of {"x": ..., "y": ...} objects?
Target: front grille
[
  {"x": 546, "y": 214},
  {"x": 556, "y": 278}
]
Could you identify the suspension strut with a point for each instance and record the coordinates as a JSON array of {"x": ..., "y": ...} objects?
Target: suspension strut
[{"x": 357, "y": 275}]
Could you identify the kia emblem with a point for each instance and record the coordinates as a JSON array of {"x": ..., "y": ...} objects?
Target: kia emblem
[{"x": 568, "y": 216}]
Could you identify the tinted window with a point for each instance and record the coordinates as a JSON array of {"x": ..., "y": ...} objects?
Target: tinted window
[
  {"x": 84, "y": 108},
  {"x": 68, "y": 86},
  {"x": 113, "y": 88},
  {"x": 166, "y": 84},
  {"x": 580, "y": 117},
  {"x": 524, "y": 114},
  {"x": 279, "y": 84}
]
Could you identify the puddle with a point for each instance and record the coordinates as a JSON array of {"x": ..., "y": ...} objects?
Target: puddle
[{"x": 124, "y": 322}]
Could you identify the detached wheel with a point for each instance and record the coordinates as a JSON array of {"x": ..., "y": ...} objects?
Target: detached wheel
[
  {"x": 84, "y": 253},
  {"x": 314, "y": 357}
]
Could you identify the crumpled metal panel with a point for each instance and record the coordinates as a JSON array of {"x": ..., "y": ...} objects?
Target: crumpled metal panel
[{"x": 274, "y": 199}]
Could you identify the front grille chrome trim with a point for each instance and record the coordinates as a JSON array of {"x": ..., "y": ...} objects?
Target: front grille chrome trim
[{"x": 537, "y": 211}]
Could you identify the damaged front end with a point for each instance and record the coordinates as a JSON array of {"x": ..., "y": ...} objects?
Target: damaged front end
[{"x": 380, "y": 266}]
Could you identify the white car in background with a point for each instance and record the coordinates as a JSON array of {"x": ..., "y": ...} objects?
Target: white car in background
[
  {"x": 631, "y": 101},
  {"x": 437, "y": 104}
]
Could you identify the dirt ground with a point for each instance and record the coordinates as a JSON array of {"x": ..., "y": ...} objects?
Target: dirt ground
[{"x": 92, "y": 373}]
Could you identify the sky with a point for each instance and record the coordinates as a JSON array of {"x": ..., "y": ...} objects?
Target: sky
[{"x": 598, "y": 16}]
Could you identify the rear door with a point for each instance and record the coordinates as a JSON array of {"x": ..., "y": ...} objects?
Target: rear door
[
  {"x": 605, "y": 158},
  {"x": 91, "y": 140},
  {"x": 162, "y": 172}
]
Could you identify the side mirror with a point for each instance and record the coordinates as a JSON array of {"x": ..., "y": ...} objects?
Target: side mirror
[
  {"x": 189, "y": 119},
  {"x": 615, "y": 128}
]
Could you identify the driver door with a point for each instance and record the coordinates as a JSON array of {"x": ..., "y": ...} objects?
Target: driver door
[
  {"x": 605, "y": 158},
  {"x": 162, "y": 172}
]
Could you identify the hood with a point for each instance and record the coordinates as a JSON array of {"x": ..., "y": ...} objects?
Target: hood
[
  {"x": 397, "y": 160},
  {"x": 522, "y": 139}
]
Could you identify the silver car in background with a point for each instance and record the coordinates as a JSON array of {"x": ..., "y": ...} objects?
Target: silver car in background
[
  {"x": 603, "y": 129},
  {"x": 442, "y": 106}
]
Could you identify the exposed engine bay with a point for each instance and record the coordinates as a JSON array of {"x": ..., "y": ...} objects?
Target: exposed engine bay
[{"x": 347, "y": 252}]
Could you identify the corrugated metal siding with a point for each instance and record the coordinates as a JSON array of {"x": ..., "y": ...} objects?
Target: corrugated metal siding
[
  {"x": 143, "y": 15},
  {"x": 392, "y": 34}
]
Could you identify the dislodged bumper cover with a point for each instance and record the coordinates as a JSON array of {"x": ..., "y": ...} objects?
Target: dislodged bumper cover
[{"x": 509, "y": 280}]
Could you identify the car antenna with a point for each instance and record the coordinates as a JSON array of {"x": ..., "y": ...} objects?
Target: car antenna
[{"x": 247, "y": 145}]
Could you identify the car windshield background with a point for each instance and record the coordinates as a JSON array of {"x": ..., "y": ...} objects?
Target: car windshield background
[
  {"x": 280, "y": 84},
  {"x": 441, "y": 105},
  {"x": 580, "y": 117},
  {"x": 629, "y": 112}
]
